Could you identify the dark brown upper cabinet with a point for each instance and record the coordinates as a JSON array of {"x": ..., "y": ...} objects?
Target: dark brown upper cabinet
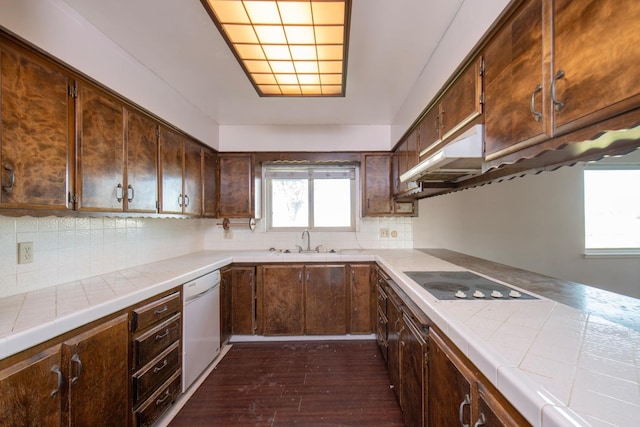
[
  {"x": 36, "y": 134},
  {"x": 405, "y": 157},
  {"x": 556, "y": 67},
  {"x": 236, "y": 186},
  {"x": 116, "y": 155},
  {"x": 376, "y": 189},
  {"x": 209, "y": 182},
  {"x": 181, "y": 174}
]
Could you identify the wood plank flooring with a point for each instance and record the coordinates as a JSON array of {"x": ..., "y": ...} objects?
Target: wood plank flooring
[{"x": 313, "y": 383}]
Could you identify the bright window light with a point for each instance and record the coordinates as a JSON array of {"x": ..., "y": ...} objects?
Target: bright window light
[{"x": 612, "y": 208}]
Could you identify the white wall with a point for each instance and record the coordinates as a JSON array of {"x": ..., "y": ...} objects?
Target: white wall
[
  {"x": 535, "y": 223},
  {"x": 304, "y": 138},
  {"x": 57, "y": 29},
  {"x": 469, "y": 25}
]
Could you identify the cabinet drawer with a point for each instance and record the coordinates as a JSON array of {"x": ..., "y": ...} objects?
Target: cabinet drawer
[
  {"x": 157, "y": 404},
  {"x": 153, "y": 342},
  {"x": 156, "y": 311},
  {"x": 153, "y": 374},
  {"x": 381, "y": 298}
]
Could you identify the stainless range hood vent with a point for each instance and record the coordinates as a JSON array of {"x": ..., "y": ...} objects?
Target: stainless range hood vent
[{"x": 458, "y": 160}]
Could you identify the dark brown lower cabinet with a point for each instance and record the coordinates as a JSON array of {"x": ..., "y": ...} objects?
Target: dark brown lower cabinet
[
  {"x": 243, "y": 300},
  {"x": 459, "y": 395},
  {"x": 325, "y": 300},
  {"x": 361, "y": 312},
  {"x": 414, "y": 380},
  {"x": 394, "y": 329},
  {"x": 225, "y": 305},
  {"x": 30, "y": 393},
  {"x": 75, "y": 383},
  {"x": 281, "y": 290}
]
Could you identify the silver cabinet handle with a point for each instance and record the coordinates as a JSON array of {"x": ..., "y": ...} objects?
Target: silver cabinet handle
[
  {"x": 130, "y": 193},
  {"x": 161, "y": 367},
  {"x": 559, "y": 105},
  {"x": 537, "y": 116},
  {"x": 56, "y": 370},
  {"x": 465, "y": 402},
  {"x": 308, "y": 277},
  {"x": 481, "y": 421},
  {"x": 300, "y": 276},
  {"x": 119, "y": 193},
  {"x": 161, "y": 400},
  {"x": 12, "y": 178},
  {"x": 180, "y": 200},
  {"x": 186, "y": 201},
  {"x": 161, "y": 310},
  {"x": 160, "y": 336},
  {"x": 76, "y": 359}
]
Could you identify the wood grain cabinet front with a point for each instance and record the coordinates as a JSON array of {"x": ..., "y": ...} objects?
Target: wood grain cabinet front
[
  {"x": 555, "y": 67},
  {"x": 180, "y": 174},
  {"x": 377, "y": 185},
  {"x": 75, "y": 383},
  {"x": 281, "y": 291},
  {"x": 156, "y": 359},
  {"x": 36, "y": 133},
  {"x": 361, "y": 299},
  {"x": 236, "y": 186}
]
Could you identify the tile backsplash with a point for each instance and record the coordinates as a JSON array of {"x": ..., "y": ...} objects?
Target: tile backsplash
[{"x": 68, "y": 249}]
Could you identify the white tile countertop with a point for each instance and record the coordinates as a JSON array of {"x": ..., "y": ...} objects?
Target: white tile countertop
[{"x": 557, "y": 365}]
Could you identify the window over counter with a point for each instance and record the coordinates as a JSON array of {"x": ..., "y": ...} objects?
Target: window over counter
[
  {"x": 311, "y": 197},
  {"x": 612, "y": 209}
]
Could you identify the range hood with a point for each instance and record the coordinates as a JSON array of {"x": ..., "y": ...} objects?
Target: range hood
[{"x": 458, "y": 160}]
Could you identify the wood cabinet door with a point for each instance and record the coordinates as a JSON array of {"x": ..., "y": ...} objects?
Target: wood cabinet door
[
  {"x": 97, "y": 365},
  {"x": 171, "y": 167},
  {"x": 450, "y": 385},
  {"x": 401, "y": 163},
  {"x": 226, "y": 299},
  {"x": 361, "y": 305},
  {"x": 30, "y": 391},
  {"x": 596, "y": 43},
  {"x": 243, "y": 300},
  {"x": 461, "y": 103},
  {"x": 192, "y": 178},
  {"x": 429, "y": 129},
  {"x": 413, "y": 374},
  {"x": 36, "y": 135},
  {"x": 325, "y": 300},
  {"x": 394, "y": 329},
  {"x": 376, "y": 195},
  {"x": 141, "y": 193},
  {"x": 236, "y": 186},
  {"x": 209, "y": 174},
  {"x": 282, "y": 300},
  {"x": 516, "y": 83},
  {"x": 100, "y": 152},
  {"x": 495, "y": 411}
]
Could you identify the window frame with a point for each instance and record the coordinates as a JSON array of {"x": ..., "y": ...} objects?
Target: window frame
[
  {"x": 270, "y": 169},
  {"x": 606, "y": 252}
]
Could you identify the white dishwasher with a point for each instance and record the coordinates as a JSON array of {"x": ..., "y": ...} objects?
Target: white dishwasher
[{"x": 200, "y": 326}]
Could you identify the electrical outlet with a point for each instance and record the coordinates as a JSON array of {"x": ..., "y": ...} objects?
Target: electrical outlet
[
  {"x": 25, "y": 253},
  {"x": 394, "y": 233},
  {"x": 384, "y": 233}
]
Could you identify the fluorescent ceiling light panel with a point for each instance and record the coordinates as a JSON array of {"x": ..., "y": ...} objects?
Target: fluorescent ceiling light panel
[{"x": 287, "y": 47}]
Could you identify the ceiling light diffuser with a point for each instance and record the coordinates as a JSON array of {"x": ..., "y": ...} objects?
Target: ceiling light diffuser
[{"x": 287, "y": 47}]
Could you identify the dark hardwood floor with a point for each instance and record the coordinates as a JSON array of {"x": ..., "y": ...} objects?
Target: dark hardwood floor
[{"x": 314, "y": 383}]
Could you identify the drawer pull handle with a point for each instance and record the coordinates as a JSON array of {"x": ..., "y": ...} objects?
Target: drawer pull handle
[
  {"x": 161, "y": 310},
  {"x": 465, "y": 402},
  {"x": 56, "y": 370},
  {"x": 76, "y": 359},
  {"x": 119, "y": 193},
  {"x": 481, "y": 421},
  {"x": 559, "y": 105},
  {"x": 537, "y": 116},
  {"x": 161, "y": 400},
  {"x": 130, "y": 193},
  {"x": 160, "y": 368},
  {"x": 160, "y": 336},
  {"x": 12, "y": 178}
]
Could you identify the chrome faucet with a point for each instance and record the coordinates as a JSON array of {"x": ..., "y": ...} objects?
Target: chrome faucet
[{"x": 308, "y": 239}]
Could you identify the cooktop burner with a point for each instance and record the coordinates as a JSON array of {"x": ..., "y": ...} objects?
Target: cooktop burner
[{"x": 464, "y": 285}]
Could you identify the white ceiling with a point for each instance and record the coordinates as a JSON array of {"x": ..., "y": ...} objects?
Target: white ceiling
[{"x": 391, "y": 41}]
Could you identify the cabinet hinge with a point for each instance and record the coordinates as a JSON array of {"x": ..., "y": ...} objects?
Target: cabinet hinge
[
  {"x": 73, "y": 198},
  {"x": 157, "y": 132},
  {"x": 482, "y": 97},
  {"x": 157, "y": 205},
  {"x": 482, "y": 67},
  {"x": 73, "y": 91}
]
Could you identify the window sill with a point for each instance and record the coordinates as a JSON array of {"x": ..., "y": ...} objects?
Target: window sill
[{"x": 612, "y": 253}]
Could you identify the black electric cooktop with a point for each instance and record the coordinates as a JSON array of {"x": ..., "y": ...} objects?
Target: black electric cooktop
[{"x": 464, "y": 285}]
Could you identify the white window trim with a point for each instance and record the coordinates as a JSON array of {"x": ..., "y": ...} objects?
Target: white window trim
[{"x": 268, "y": 172}]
